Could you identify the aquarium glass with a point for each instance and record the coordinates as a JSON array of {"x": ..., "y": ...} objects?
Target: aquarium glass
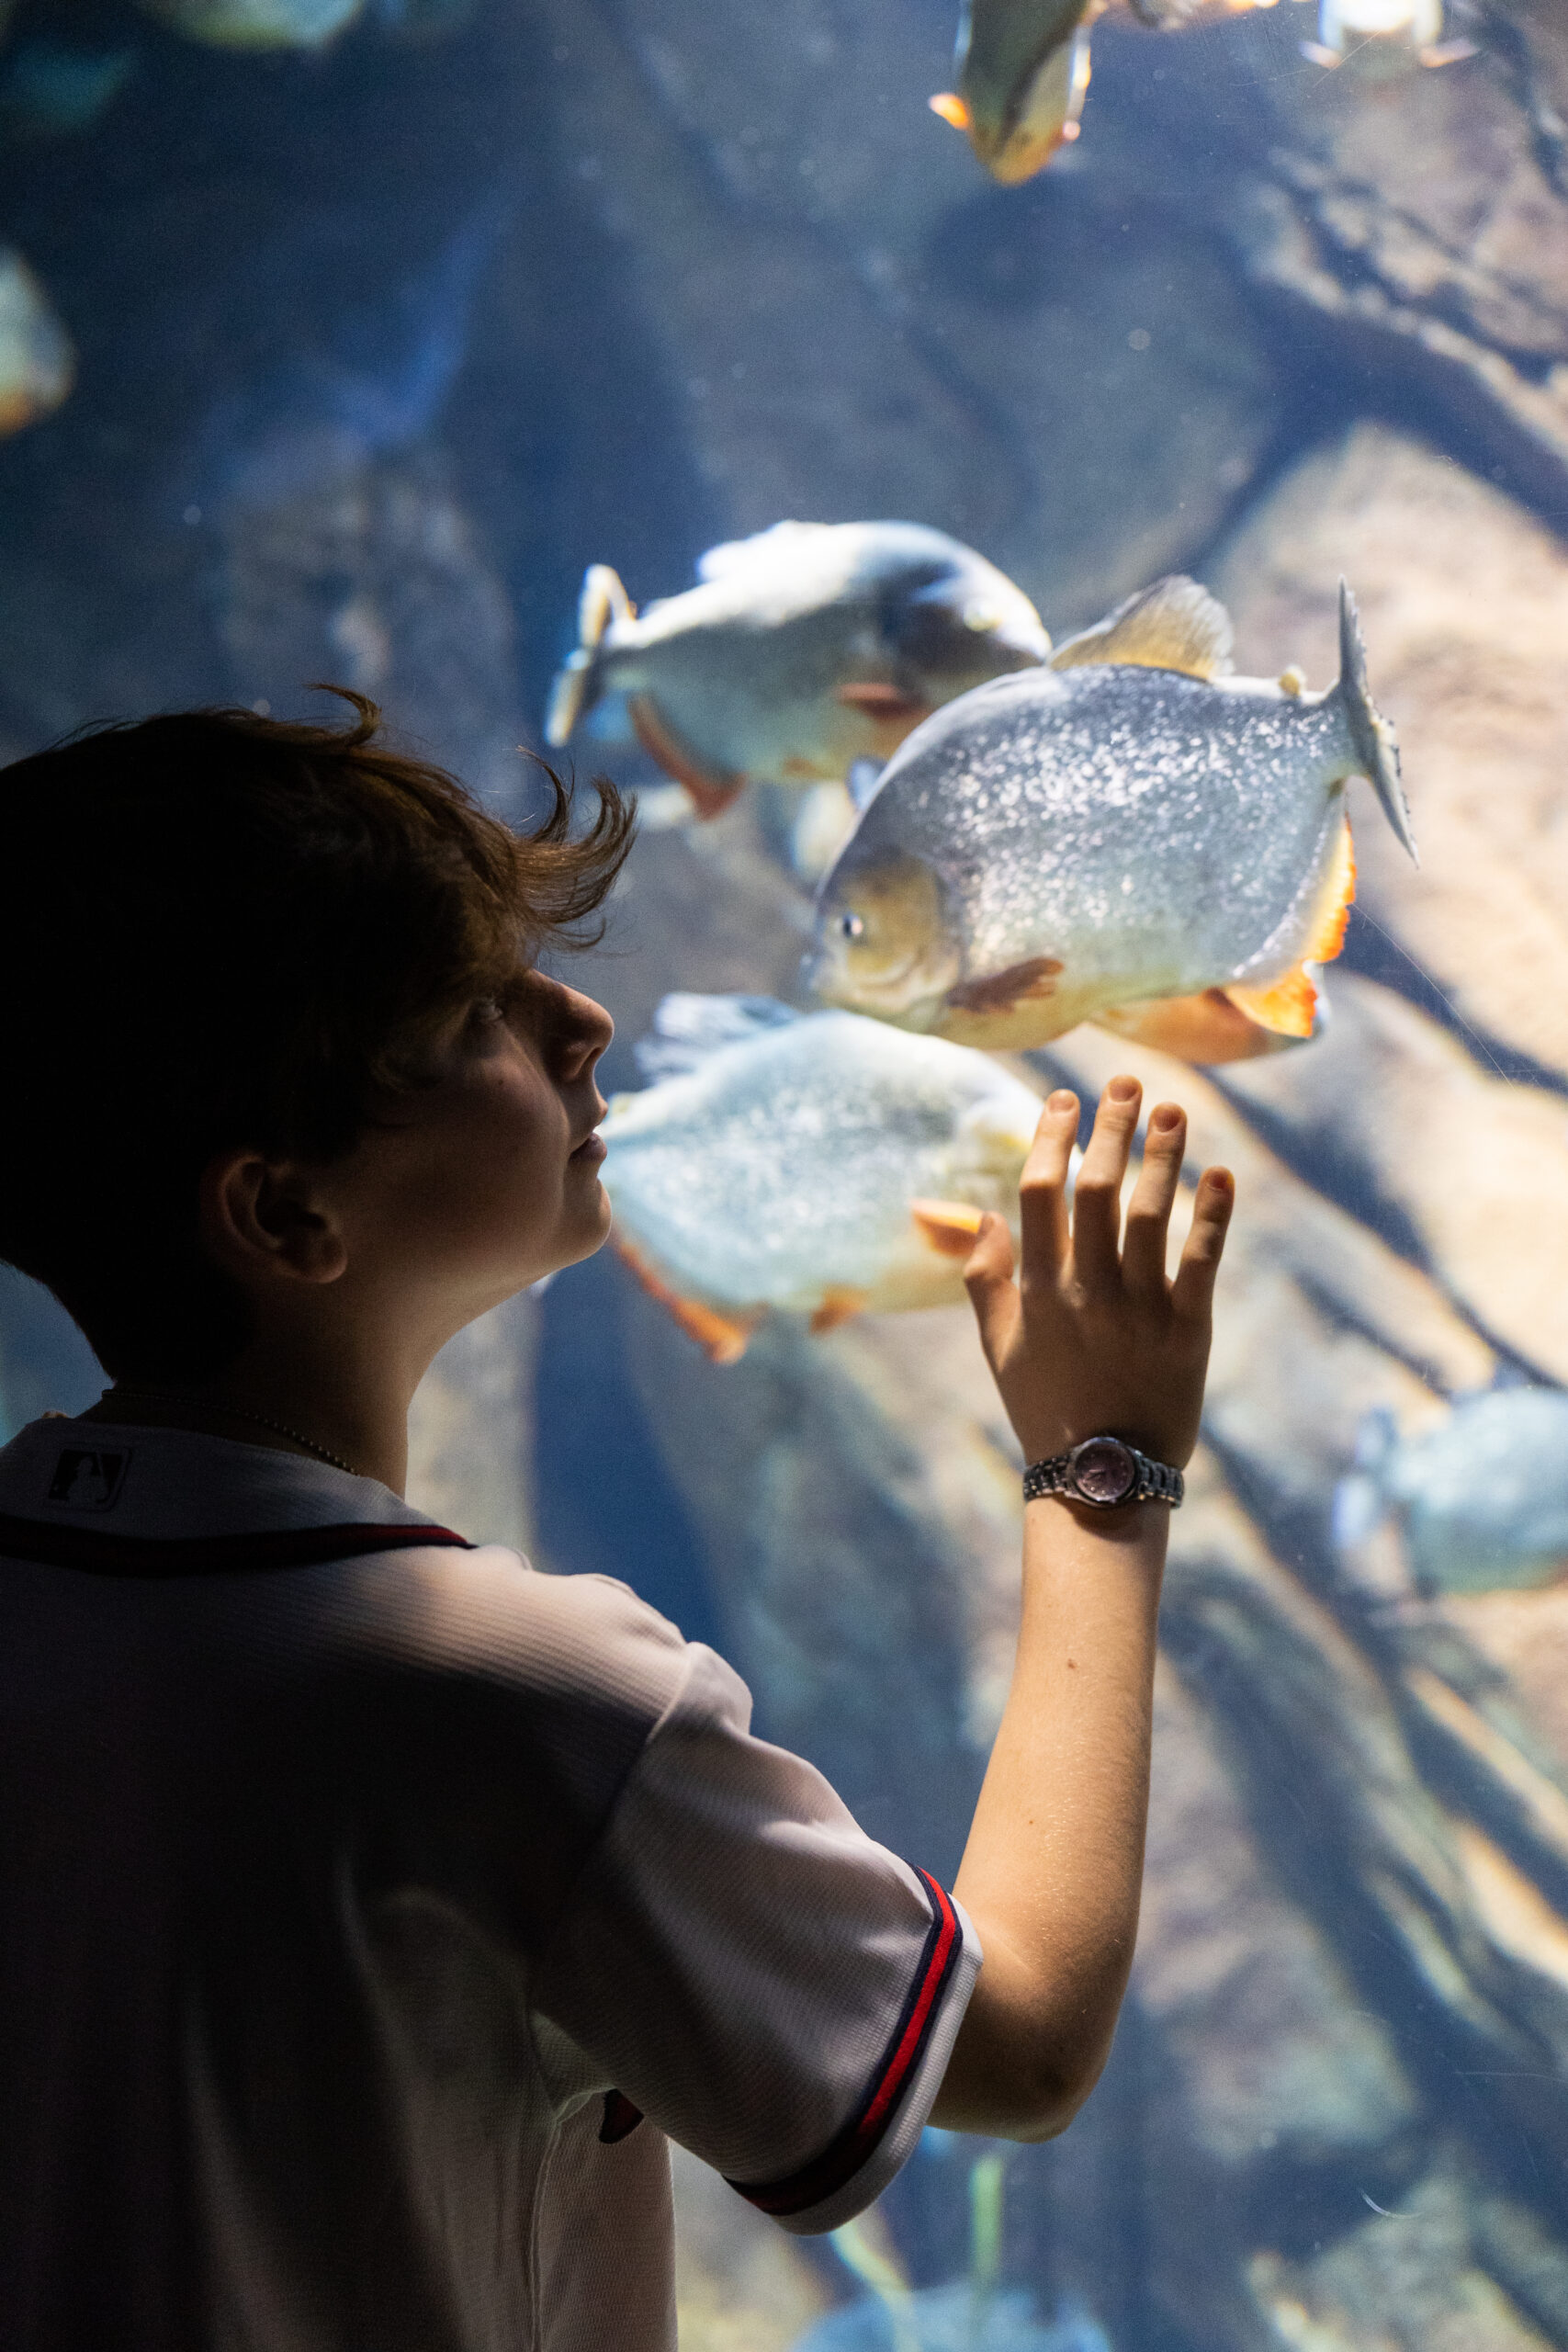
[{"x": 339, "y": 339}]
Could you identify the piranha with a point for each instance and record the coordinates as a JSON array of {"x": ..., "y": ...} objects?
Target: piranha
[
  {"x": 803, "y": 649},
  {"x": 1022, "y": 73},
  {"x": 1128, "y": 833},
  {"x": 38, "y": 363},
  {"x": 814, "y": 1163},
  {"x": 1480, "y": 1499},
  {"x": 255, "y": 24},
  {"x": 1383, "y": 36}
]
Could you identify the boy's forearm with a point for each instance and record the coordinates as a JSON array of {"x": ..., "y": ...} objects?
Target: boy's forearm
[{"x": 1052, "y": 1868}]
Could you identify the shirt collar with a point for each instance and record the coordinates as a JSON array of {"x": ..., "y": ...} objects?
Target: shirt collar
[{"x": 162, "y": 1483}]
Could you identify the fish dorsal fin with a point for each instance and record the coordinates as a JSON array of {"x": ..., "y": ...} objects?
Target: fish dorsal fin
[
  {"x": 735, "y": 555},
  {"x": 1175, "y": 625},
  {"x": 687, "y": 1029}
]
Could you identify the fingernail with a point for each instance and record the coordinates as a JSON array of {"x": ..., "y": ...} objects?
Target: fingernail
[
  {"x": 1167, "y": 1117},
  {"x": 1122, "y": 1090},
  {"x": 1222, "y": 1180},
  {"x": 1062, "y": 1101}
]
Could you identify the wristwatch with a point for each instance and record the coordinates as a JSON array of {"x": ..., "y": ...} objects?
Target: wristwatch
[{"x": 1104, "y": 1471}]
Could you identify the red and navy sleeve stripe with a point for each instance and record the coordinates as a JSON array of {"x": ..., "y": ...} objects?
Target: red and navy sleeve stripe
[{"x": 860, "y": 2138}]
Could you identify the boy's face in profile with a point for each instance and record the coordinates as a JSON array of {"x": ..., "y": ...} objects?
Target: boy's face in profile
[{"x": 485, "y": 1177}]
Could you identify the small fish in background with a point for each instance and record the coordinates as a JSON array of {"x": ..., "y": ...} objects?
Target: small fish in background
[
  {"x": 1383, "y": 37},
  {"x": 255, "y": 24},
  {"x": 802, "y": 650},
  {"x": 1022, "y": 70},
  {"x": 38, "y": 363},
  {"x": 1480, "y": 1498},
  {"x": 1119, "y": 835},
  {"x": 50, "y": 89},
  {"x": 1023, "y": 76},
  {"x": 812, "y": 1163}
]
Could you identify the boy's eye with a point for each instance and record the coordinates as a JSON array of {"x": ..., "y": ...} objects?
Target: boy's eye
[{"x": 487, "y": 1010}]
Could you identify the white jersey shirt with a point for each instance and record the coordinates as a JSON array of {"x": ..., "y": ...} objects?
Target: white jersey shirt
[{"x": 374, "y": 1908}]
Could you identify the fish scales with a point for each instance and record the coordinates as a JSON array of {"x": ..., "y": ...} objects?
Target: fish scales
[
  {"x": 781, "y": 1171},
  {"x": 1032, "y": 806},
  {"x": 1077, "y": 841}
]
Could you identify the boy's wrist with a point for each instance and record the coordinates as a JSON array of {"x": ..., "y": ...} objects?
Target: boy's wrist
[
  {"x": 1056, "y": 1521},
  {"x": 1104, "y": 1471}
]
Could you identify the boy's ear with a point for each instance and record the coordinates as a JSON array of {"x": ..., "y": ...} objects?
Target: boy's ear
[{"x": 266, "y": 1217}]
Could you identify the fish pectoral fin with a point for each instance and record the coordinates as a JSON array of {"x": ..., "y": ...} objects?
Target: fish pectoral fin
[
  {"x": 711, "y": 789},
  {"x": 838, "y": 1305},
  {"x": 1175, "y": 625},
  {"x": 952, "y": 109},
  {"x": 1287, "y": 1007},
  {"x": 882, "y": 701},
  {"x": 950, "y": 1228},
  {"x": 1002, "y": 990},
  {"x": 1205, "y": 1029},
  {"x": 723, "y": 1339}
]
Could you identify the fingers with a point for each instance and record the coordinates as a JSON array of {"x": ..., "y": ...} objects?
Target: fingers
[
  {"x": 1148, "y": 1212},
  {"x": 987, "y": 1277},
  {"x": 1192, "y": 1292},
  {"x": 1043, "y": 1189},
  {"x": 1097, "y": 1196}
]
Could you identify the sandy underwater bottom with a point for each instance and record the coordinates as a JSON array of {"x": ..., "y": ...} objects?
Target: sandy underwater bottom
[{"x": 1326, "y": 340}]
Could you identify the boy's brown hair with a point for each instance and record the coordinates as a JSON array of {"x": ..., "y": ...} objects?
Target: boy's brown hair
[{"x": 219, "y": 931}]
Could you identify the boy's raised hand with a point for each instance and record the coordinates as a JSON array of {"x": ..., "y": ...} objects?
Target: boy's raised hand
[{"x": 1092, "y": 1337}]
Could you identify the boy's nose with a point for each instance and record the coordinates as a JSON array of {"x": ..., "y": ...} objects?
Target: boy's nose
[{"x": 583, "y": 1030}]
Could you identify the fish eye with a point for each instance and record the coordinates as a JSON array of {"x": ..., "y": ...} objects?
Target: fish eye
[{"x": 851, "y": 927}]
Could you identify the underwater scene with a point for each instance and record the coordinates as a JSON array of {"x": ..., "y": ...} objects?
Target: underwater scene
[{"x": 1061, "y": 519}]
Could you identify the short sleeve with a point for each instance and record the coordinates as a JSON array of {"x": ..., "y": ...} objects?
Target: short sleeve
[{"x": 769, "y": 1986}]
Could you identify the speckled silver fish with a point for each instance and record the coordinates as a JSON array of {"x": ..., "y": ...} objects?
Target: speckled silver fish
[
  {"x": 38, "y": 363},
  {"x": 815, "y": 1163},
  {"x": 1125, "y": 828},
  {"x": 1481, "y": 1499},
  {"x": 802, "y": 650}
]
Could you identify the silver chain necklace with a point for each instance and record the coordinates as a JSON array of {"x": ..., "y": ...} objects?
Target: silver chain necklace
[{"x": 230, "y": 1413}]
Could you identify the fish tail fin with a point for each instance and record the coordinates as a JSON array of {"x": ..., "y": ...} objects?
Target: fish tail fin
[
  {"x": 1376, "y": 745},
  {"x": 602, "y": 600}
]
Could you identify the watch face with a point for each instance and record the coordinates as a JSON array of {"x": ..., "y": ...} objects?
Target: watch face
[{"x": 1104, "y": 1471}]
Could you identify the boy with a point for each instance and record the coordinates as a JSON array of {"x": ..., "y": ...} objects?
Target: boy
[{"x": 374, "y": 1906}]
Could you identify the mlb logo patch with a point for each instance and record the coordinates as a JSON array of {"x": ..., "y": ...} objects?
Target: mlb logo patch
[{"x": 88, "y": 1478}]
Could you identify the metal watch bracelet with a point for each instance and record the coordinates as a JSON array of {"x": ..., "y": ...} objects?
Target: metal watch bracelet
[{"x": 1104, "y": 1471}]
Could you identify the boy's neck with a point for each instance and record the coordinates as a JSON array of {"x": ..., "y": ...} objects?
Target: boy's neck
[{"x": 346, "y": 1424}]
